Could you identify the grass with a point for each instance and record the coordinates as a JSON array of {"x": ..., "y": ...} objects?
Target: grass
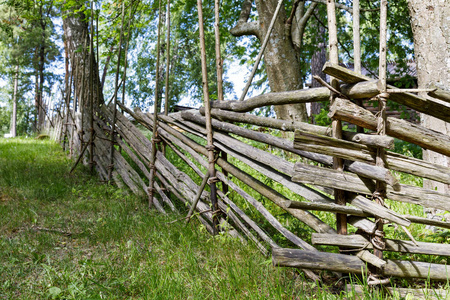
[{"x": 66, "y": 236}]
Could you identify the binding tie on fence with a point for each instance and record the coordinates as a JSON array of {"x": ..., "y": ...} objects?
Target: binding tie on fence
[
  {"x": 213, "y": 180},
  {"x": 377, "y": 238},
  {"x": 152, "y": 166},
  {"x": 156, "y": 140},
  {"x": 210, "y": 147}
]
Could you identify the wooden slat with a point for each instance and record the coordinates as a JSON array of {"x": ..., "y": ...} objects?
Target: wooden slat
[
  {"x": 357, "y": 241},
  {"x": 282, "y": 257}
]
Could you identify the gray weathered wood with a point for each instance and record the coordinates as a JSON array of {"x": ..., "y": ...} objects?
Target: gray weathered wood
[
  {"x": 371, "y": 259},
  {"x": 350, "y": 264},
  {"x": 350, "y": 182},
  {"x": 357, "y": 241},
  {"x": 426, "y": 106},
  {"x": 353, "y": 151},
  {"x": 358, "y": 91},
  {"x": 356, "y": 167},
  {"x": 331, "y": 207},
  {"x": 440, "y": 94},
  {"x": 403, "y": 293},
  {"x": 288, "y": 125}
]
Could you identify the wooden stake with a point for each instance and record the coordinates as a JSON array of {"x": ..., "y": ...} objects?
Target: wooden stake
[
  {"x": 197, "y": 197},
  {"x": 261, "y": 51},
  {"x": 219, "y": 67},
  {"x": 339, "y": 195},
  {"x": 151, "y": 188},
  {"x": 113, "y": 125},
  {"x": 380, "y": 193},
  {"x": 210, "y": 145},
  {"x": 357, "y": 49},
  {"x": 167, "y": 89},
  {"x": 91, "y": 92}
]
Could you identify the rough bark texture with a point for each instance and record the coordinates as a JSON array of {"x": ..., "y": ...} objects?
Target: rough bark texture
[
  {"x": 283, "y": 70},
  {"x": 75, "y": 30},
  {"x": 430, "y": 21}
]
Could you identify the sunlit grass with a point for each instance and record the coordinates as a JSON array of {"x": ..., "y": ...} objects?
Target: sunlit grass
[{"x": 68, "y": 237}]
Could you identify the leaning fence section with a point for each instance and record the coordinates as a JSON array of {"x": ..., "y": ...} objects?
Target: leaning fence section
[{"x": 308, "y": 173}]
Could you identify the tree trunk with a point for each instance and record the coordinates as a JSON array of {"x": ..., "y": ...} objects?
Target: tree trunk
[
  {"x": 14, "y": 108},
  {"x": 75, "y": 31},
  {"x": 430, "y": 21},
  {"x": 282, "y": 66}
]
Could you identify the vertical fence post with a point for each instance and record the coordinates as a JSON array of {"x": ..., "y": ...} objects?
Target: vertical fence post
[
  {"x": 380, "y": 192},
  {"x": 339, "y": 195},
  {"x": 167, "y": 91},
  {"x": 357, "y": 50},
  {"x": 210, "y": 147},
  {"x": 116, "y": 87},
  {"x": 219, "y": 70},
  {"x": 155, "y": 140},
  {"x": 91, "y": 92}
]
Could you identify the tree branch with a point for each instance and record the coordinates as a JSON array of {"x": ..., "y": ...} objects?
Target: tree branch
[
  {"x": 243, "y": 27},
  {"x": 300, "y": 25}
]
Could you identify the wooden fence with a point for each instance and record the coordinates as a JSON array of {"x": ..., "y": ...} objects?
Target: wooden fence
[{"x": 311, "y": 176}]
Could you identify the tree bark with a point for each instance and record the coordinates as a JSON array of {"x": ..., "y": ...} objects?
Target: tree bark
[
  {"x": 430, "y": 21},
  {"x": 282, "y": 66},
  {"x": 75, "y": 31}
]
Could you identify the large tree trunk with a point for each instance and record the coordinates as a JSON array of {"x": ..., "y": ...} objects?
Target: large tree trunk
[
  {"x": 282, "y": 66},
  {"x": 75, "y": 31},
  {"x": 430, "y": 21}
]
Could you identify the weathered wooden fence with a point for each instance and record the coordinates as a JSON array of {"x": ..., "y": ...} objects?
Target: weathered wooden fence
[
  {"x": 184, "y": 132},
  {"x": 355, "y": 167}
]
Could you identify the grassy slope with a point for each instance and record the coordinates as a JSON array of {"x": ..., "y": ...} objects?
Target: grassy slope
[{"x": 67, "y": 236}]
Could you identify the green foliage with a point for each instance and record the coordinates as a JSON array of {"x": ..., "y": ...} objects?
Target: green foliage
[{"x": 407, "y": 149}]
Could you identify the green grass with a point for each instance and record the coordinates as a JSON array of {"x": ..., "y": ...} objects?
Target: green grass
[{"x": 66, "y": 236}]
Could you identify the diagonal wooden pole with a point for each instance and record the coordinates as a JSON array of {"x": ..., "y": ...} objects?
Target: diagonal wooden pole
[
  {"x": 167, "y": 89},
  {"x": 339, "y": 195},
  {"x": 155, "y": 139},
  {"x": 113, "y": 125},
  {"x": 197, "y": 197},
  {"x": 210, "y": 147},
  {"x": 219, "y": 64},
  {"x": 261, "y": 52},
  {"x": 380, "y": 192},
  {"x": 91, "y": 92}
]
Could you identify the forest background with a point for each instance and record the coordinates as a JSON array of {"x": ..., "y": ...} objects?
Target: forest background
[{"x": 33, "y": 54}]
